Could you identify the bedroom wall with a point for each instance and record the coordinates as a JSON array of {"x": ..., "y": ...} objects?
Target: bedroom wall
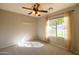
[
  {"x": 14, "y": 27},
  {"x": 76, "y": 30},
  {"x": 61, "y": 42},
  {"x": 41, "y": 23}
]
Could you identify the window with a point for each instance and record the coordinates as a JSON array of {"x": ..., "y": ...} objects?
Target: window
[{"x": 57, "y": 27}]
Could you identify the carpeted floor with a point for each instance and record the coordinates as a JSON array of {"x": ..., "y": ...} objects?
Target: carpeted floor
[{"x": 46, "y": 49}]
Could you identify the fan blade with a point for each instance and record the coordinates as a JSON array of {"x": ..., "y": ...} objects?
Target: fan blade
[
  {"x": 30, "y": 13},
  {"x": 43, "y": 11},
  {"x": 27, "y": 8}
]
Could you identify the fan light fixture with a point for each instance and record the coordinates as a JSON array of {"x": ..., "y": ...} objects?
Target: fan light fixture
[
  {"x": 35, "y": 10},
  {"x": 38, "y": 13}
]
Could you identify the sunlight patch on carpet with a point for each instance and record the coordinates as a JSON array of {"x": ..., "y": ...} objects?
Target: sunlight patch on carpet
[{"x": 30, "y": 44}]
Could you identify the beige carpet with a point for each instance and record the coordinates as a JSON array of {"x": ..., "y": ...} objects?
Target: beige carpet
[{"x": 47, "y": 49}]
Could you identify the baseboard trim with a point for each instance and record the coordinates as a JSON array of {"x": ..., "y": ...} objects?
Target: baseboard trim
[
  {"x": 76, "y": 52},
  {"x": 7, "y": 45},
  {"x": 58, "y": 45}
]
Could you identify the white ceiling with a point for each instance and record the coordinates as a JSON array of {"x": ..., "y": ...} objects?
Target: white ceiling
[{"x": 17, "y": 7}]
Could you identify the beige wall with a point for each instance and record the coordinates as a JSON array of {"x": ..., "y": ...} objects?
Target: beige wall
[
  {"x": 41, "y": 23},
  {"x": 14, "y": 27},
  {"x": 75, "y": 28}
]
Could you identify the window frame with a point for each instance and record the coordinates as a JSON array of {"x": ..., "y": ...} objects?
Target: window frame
[{"x": 56, "y": 18}]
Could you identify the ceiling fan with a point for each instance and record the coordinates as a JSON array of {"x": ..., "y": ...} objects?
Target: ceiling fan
[{"x": 36, "y": 11}]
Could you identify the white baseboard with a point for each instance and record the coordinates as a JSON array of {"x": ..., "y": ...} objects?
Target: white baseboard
[
  {"x": 58, "y": 45},
  {"x": 76, "y": 52},
  {"x": 7, "y": 45}
]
